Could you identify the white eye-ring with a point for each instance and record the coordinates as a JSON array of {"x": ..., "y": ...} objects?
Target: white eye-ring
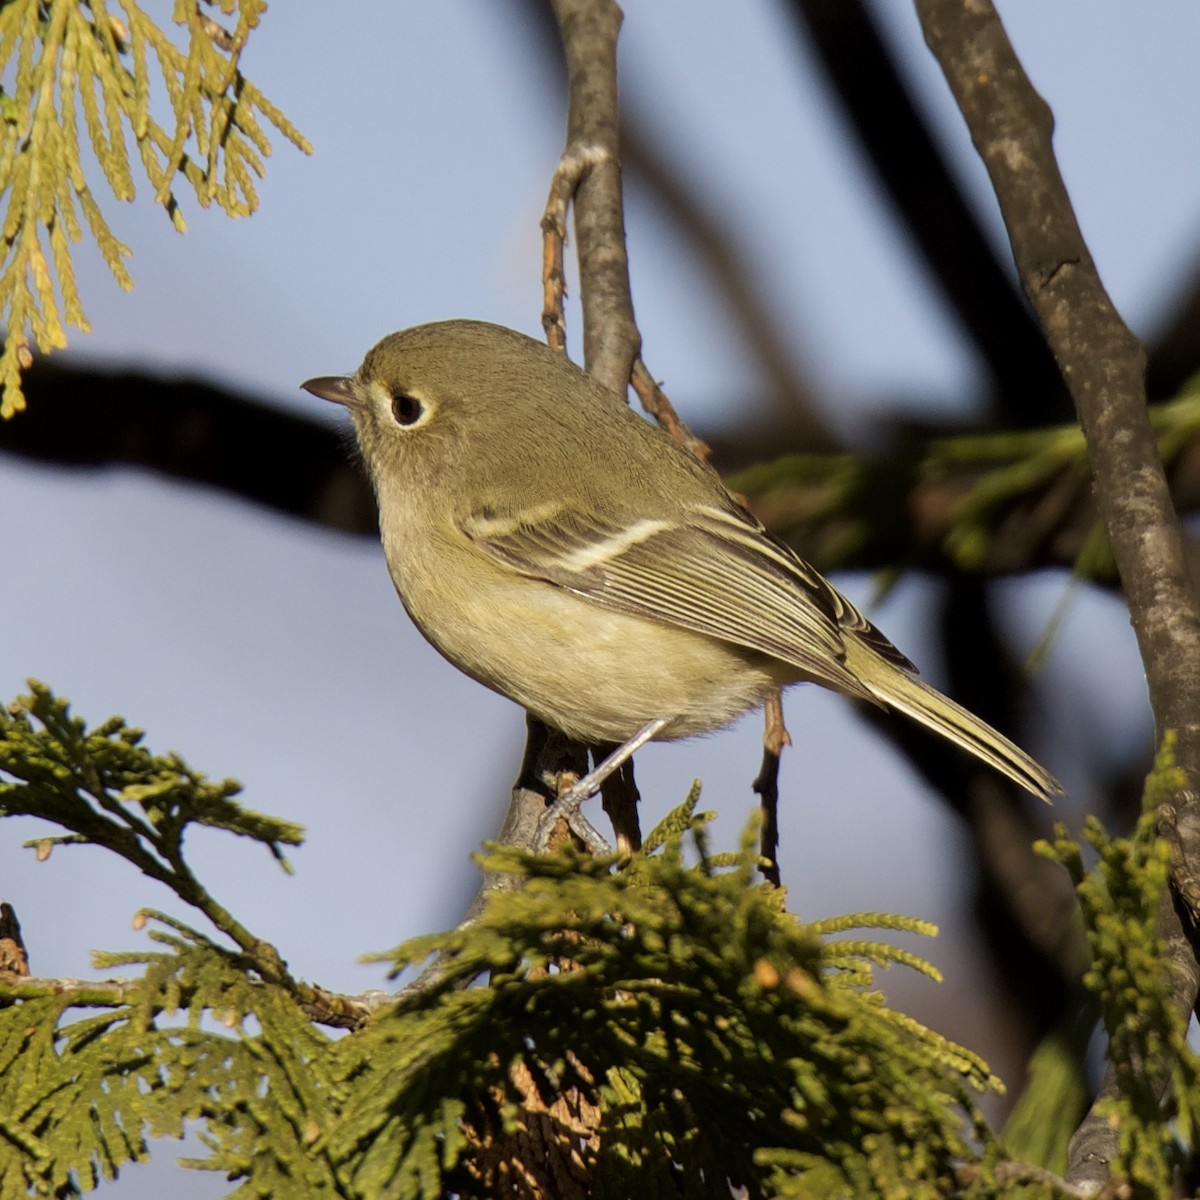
[{"x": 406, "y": 409}]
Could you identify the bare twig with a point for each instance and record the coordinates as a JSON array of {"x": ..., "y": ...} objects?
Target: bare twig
[
  {"x": 654, "y": 401},
  {"x": 612, "y": 343},
  {"x": 1103, "y": 365},
  {"x": 589, "y": 173},
  {"x": 577, "y": 159}
]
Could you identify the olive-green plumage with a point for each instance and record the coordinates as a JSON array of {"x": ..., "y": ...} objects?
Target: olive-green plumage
[{"x": 563, "y": 551}]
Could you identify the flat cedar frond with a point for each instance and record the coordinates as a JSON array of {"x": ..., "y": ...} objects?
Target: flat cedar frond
[
  {"x": 81, "y": 1097},
  {"x": 60, "y": 59},
  {"x": 107, "y": 789},
  {"x": 652, "y": 1031}
]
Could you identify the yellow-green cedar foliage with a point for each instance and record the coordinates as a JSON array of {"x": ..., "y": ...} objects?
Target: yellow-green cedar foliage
[{"x": 63, "y": 58}]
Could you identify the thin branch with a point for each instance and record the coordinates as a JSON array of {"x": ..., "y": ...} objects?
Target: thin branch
[
  {"x": 1104, "y": 367},
  {"x": 711, "y": 241},
  {"x": 654, "y": 401},
  {"x": 577, "y": 159},
  {"x": 766, "y": 784}
]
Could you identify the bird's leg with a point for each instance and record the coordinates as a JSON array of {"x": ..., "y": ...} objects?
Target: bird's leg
[
  {"x": 775, "y": 737},
  {"x": 567, "y": 805}
]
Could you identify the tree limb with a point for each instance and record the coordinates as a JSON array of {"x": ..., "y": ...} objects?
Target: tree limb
[
  {"x": 891, "y": 509},
  {"x": 1104, "y": 368}
]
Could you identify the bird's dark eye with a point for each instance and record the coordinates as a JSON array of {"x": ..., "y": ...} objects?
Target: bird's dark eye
[{"x": 406, "y": 409}]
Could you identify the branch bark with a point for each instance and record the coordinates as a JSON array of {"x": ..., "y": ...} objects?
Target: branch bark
[{"x": 1104, "y": 368}]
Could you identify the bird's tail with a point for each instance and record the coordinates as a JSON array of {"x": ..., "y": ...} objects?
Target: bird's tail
[{"x": 895, "y": 688}]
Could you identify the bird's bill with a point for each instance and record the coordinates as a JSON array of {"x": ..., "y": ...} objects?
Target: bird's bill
[{"x": 338, "y": 388}]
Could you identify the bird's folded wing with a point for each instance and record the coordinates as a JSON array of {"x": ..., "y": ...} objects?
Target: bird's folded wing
[{"x": 717, "y": 573}]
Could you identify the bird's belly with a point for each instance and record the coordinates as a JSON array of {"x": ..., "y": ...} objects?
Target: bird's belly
[{"x": 597, "y": 674}]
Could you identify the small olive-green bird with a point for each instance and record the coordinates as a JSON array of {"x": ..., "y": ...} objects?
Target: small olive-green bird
[{"x": 570, "y": 555}]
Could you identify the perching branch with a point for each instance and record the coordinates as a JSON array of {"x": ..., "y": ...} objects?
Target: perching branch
[{"x": 1104, "y": 368}]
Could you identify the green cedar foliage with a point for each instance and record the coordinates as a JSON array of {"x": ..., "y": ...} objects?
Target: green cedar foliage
[
  {"x": 66, "y": 58},
  {"x": 661, "y": 1028}
]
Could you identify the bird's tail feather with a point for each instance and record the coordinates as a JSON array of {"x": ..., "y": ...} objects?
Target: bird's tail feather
[{"x": 897, "y": 689}]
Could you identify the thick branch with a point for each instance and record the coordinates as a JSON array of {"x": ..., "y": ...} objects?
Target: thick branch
[
  {"x": 1104, "y": 367},
  {"x": 91, "y": 416},
  {"x": 843, "y": 512},
  {"x": 1101, "y": 361}
]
